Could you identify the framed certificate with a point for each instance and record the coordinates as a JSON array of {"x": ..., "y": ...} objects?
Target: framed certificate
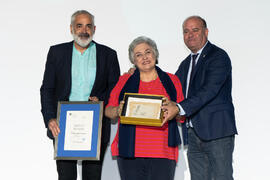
[
  {"x": 142, "y": 109},
  {"x": 80, "y": 126}
]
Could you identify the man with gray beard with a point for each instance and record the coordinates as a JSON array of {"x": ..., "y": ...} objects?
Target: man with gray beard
[{"x": 79, "y": 70}]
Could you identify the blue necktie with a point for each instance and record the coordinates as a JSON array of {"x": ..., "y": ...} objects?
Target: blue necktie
[{"x": 194, "y": 56}]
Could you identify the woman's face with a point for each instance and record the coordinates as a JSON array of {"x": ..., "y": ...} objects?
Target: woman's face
[{"x": 144, "y": 57}]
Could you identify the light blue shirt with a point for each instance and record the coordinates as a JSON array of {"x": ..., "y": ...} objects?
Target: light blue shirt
[{"x": 83, "y": 73}]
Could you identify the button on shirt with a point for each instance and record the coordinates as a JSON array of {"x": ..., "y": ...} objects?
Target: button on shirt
[{"x": 83, "y": 73}]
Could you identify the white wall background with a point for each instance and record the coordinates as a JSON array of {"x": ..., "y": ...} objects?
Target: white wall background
[{"x": 29, "y": 27}]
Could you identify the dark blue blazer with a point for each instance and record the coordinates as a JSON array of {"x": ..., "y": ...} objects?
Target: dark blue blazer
[
  {"x": 209, "y": 102},
  {"x": 56, "y": 85}
]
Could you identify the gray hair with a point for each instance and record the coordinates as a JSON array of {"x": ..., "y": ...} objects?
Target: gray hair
[
  {"x": 79, "y": 12},
  {"x": 140, "y": 40},
  {"x": 196, "y": 17}
]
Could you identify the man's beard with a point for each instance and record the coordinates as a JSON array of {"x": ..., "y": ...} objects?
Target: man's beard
[{"x": 80, "y": 39}]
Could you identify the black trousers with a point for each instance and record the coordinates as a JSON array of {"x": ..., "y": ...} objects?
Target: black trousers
[
  {"x": 91, "y": 170},
  {"x": 146, "y": 168}
]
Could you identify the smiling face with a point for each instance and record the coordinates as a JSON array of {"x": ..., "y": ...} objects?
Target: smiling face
[
  {"x": 195, "y": 34},
  {"x": 82, "y": 30},
  {"x": 144, "y": 58}
]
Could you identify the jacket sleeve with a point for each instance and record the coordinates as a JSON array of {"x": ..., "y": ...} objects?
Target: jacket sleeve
[
  {"x": 218, "y": 70},
  {"x": 47, "y": 90},
  {"x": 113, "y": 73}
]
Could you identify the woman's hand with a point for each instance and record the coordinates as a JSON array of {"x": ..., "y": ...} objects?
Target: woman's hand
[
  {"x": 120, "y": 108},
  {"x": 114, "y": 112}
]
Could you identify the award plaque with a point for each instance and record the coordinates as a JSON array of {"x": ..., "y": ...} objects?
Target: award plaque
[
  {"x": 142, "y": 109},
  {"x": 80, "y": 124}
]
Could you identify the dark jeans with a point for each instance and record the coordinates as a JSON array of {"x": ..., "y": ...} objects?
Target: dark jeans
[
  {"x": 210, "y": 160},
  {"x": 91, "y": 170},
  {"x": 146, "y": 168}
]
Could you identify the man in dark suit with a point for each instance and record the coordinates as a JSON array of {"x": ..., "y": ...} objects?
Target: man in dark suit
[
  {"x": 206, "y": 79},
  {"x": 80, "y": 70}
]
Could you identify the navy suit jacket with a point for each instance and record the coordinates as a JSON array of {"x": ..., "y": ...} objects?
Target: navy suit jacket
[
  {"x": 56, "y": 85},
  {"x": 209, "y": 102}
]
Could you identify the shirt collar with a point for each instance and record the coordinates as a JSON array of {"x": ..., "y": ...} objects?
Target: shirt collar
[
  {"x": 200, "y": 51},
  {"x": 86, "y": 51}
]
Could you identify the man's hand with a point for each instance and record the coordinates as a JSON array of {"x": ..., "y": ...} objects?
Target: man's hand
[
  {"x": 170, "y": 110},
  {"x": 53, "y": 126},
  {"x": 130, "y": 71},
  {"x": 94, "y": 98}
]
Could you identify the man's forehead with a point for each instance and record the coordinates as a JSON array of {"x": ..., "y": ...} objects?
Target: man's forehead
[
  {"x": 83, "y": 17},
  {"x": 194, "y": 22}
]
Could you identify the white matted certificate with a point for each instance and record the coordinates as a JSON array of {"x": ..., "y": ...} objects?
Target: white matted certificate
[
  {"x": 80, "y": 126},
  {"x": 78, "y": 130},
  {"x": 143, "y": 108}
]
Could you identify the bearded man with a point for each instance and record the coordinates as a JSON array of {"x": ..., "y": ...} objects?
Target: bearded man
[{"x": 79, "y": 70}]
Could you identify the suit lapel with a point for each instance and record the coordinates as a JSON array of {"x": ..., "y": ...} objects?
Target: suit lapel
[
  {"x": 185, "y": 74},
  {"x": 201, "y": 59},
  {"x": 68, "y": 57}
]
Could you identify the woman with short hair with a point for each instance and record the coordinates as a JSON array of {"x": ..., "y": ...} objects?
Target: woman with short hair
[{"x": 145, "y": 152}]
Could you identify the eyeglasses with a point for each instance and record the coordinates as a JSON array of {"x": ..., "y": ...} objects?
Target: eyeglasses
[{"x": 147, "y": 53}]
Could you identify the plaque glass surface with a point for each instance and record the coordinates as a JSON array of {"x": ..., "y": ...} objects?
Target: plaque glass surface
[{"x": 142, "y": 109}]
